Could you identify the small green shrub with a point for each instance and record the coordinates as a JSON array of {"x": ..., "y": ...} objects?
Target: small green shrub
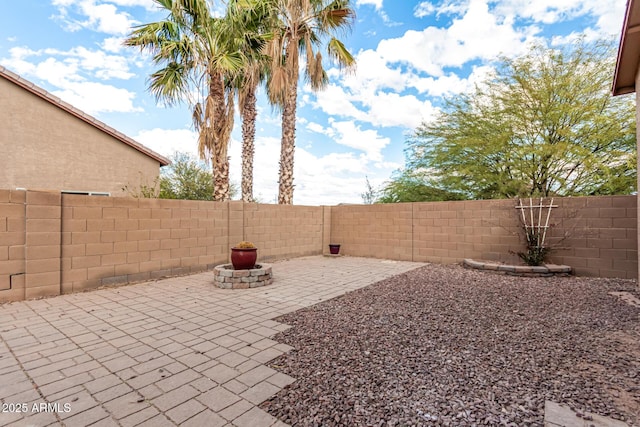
[
  {"x": 534, "y": 256},
  {"x": 536, "y": 253}
]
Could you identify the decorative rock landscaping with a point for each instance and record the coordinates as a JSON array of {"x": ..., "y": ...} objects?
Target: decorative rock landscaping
[
  {"x": 546, "y": 270},
  {"x": 447, "y": 346},
  {"x": 226, "y": 277}
]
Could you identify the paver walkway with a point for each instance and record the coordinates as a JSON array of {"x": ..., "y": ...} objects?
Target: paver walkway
[{"x": 177, "y": 351}]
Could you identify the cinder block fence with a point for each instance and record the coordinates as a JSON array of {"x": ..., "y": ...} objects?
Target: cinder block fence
[
  {"x": 52, "y": 243},
  {"x": 597, "y": 236}
]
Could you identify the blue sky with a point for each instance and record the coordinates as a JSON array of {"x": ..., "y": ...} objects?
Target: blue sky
[{"x": 410, "y": 53}]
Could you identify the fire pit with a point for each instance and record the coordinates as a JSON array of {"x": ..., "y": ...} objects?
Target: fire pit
[{"x": 226, "y": 277}]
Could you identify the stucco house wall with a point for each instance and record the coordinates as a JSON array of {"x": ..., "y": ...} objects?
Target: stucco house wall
[
  {"x": 626, "y": 78},
  {"x": 638, "y": 148},
  {"x": 47, "y": 144}
]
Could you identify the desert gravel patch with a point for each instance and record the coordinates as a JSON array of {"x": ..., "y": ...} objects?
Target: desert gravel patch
[{"x": 442, "y": 345}]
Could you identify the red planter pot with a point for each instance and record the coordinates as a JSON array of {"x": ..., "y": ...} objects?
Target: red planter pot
[
  {"x": 334, "y": 249},
  {"x": 243, "y": 258}
]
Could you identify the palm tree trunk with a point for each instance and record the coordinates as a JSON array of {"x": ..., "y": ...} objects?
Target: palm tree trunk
[
  {"x": 288, "y": 142},
  {"x": 287, "y": 148},
  {"x": 249, "y": 114},
  {"x": 219, "y": 160},
  {"x": 220, "y": 178}
]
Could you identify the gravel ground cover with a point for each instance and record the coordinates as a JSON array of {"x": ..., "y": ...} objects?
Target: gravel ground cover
[{"x": 442, "y": 345}]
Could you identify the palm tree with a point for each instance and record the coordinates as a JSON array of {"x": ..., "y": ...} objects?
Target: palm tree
[
  {"x": 302, "y": 27},
  {"x": 193, "y": 51},
  {"x": 248, "y": 20}
]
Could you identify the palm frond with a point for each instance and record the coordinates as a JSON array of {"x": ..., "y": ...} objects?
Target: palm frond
[
  {"x": 230, "y": 64},
  {"x": 317, "y": 76},
  {"x": 196, "y": 116},
  {"x": 277, "y": 85},
  {"x": 338, "y": 15},
  {"x": 339, "y": 53},
  {"x": 169, "y": 83}
]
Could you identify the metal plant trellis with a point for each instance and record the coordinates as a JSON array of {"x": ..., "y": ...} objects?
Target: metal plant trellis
[{"x": 536, "y": 225}]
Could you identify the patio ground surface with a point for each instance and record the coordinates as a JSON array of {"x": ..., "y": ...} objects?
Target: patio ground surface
[{"x": 177, "y": 351}]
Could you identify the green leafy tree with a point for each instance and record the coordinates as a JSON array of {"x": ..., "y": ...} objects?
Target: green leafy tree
[
  {"x": 410, "y": 186},
  {"x": 545, "y": 124},
  {"x": 187, "y": 178}
]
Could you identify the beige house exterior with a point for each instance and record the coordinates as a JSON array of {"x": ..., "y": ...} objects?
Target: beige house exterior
[
  {"x": 627, "y": 75},
  {"x": 47, "y": 144}
]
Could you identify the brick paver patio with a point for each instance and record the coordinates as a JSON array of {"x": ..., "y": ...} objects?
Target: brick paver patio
[{"x": 177, "y": 351}]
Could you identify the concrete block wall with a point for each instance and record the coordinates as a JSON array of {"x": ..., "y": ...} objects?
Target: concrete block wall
[
  {"x": 281, "y": 231},
  {"x": 42, "y": 244},
  {"x": 597, "y": 236},
  {"x": 376, "y": 231},
  {"x": 109, "y": 240},
  {"x": 12, "y": 244},
  {"x": 603, "y": 236},
  {"x": 29, "y": 244},
  {"x": 52, "y": 243},
  {"x": 447, "y": 232}
]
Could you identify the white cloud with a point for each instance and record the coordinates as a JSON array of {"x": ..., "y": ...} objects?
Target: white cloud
[
  {"x": 450, "y": 83},
  {"x": 391, "y": 82},
  {"x": 265, "y": 167},
  {"x": 70, "y": 75},
  {"x": 589, "y": 35},
  {"x": 448, "y": 7},
  {"x": 96, "y": 62},
  {"x": 106, "y": 18},
  {"x": 554, "y": 11},
  {"x": 76, "y": 60},
  {"x": 329, "y": 164},
  {"x": 319, "y": 179},
  {"x": 317, "y": 128},
  {"x": 334, "y": 101},
  {"x": 113, "y": 44},
  {"x": 63, "y": 3},
  {"x": 57, "y": 73},
  {"x": 375, "y": 3},
  {"x": 334, "y": 178},
  {"x": 94, "y": 98},
  {"x": 610, "y": 15},
  {"x": 425, "y": 8},
  {"x": 379, "y": 108},
  {"x": 392, "y": 109},
  {"x": 147, "y": 4},
  {"x": 169, "y": 141},
  {"x": 479, "y": 34},
  {"x": 373, "y": 72},
  {"x": 100, "y": 17},
  {"x": 607, "y": 12},
  {"x": 347, "y": 133},
  {"x": 378, "y": 92}
]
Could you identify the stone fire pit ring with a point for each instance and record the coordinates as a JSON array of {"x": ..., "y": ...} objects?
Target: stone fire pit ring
[{"x": 225, "y": 277}]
